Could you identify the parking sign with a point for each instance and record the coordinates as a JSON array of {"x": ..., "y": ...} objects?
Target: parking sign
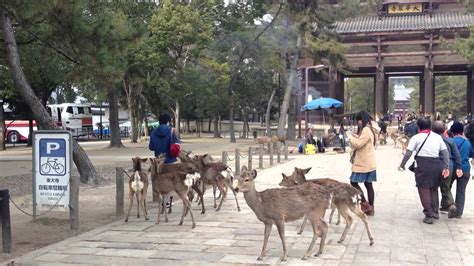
[{"x": 52, "y": 153}]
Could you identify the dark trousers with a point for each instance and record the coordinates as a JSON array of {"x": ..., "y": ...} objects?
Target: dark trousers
[
  {"x": 446, "y": 184},
  {"x": 461, "y": 191},
  {"x": 427, "y": 198}
]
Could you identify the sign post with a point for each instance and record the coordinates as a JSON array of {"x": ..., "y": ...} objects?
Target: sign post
[{"x": 52, "y": 156}]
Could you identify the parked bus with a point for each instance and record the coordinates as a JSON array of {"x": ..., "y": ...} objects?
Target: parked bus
[{"x": 76, "y": 118}]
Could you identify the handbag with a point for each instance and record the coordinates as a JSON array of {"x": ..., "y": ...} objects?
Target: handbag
[
  {"x": 175, "y": 147},
  {"x": 413, "y": 164}
]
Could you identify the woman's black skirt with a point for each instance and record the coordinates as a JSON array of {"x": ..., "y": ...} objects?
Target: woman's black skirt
[{"x": 428, "y": 172}]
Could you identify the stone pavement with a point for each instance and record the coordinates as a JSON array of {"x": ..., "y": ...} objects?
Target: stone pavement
[{"x": 231, "y": 237}]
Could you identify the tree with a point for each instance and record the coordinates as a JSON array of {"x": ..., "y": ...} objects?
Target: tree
[
  {"x": 84, "y": 165},
  {"x": 450, "y": 95},
  {"x": 359, "y": 95}
]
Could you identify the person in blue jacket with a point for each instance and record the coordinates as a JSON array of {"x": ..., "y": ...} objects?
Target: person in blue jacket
[
  {"x": 161, "y": 138},
  {"x": 465, "y": 149}
]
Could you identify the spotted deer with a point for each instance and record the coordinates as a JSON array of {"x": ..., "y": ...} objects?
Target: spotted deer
[
  {"x": 346, "y": 198},
  {"x": 174, "y": 182},
  {"x": 280, "y": 205},
  {"x": 138, "y": 186}
]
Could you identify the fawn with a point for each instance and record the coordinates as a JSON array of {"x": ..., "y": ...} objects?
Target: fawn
[
  {"x": 138, "y": 186},
  {"x": 280, "y": 205}
]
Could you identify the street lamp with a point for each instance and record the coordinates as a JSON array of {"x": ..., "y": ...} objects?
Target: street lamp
[{"x": 316, "y": 68}]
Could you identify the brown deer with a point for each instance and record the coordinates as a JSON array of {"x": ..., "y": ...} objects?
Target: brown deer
[
  {"x": 214, "y": 174},
  {"x": 346, "y": 198},
  {"x": 174, "y": 182},
  {"x": 138, "y": 186},
  {"x": 280, "y": 205}
]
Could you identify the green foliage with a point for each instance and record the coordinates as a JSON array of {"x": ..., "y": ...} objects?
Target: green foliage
[
  {"x": 450, "y": 95},
  {"x": 359, "y": 95},
  {"x": 465, "y": 47}
]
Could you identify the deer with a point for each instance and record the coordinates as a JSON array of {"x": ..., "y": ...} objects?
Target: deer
[
  {"x": 173, "y": 182},
  {"x": 280, "y": 205},
  {"x": 216, "y": 174},
  {"x": 346, "y": 198},
  {"x": 138, "y": 186}
]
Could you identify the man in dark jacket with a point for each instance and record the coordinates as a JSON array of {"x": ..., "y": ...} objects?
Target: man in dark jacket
[
  {"x": 161, "y": 138},
  {"x": 455, "y": 171},
  {"x": 469, "y": 131},
  {"x": 411, "y": 129}
]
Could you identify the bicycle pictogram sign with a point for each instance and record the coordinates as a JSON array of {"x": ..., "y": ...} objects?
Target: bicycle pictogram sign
[
  {"x": 52, "y": 166},
  {"x": 52, "y": 157}
]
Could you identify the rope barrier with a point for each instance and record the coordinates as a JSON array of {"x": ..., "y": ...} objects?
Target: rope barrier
[{"x": 46, "y": 212}]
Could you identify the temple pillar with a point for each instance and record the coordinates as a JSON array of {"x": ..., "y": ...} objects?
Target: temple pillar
[
  {"x": 428, "y": 95},
  {"x": 470, "y": 93},
  {"x": 380, "y": 107}
]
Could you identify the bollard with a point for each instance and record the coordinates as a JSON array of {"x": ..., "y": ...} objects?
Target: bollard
[
  {"x": 250, "y": 159},
  {"x": 278, "y": 152},
  {"x": 260, "y": 157},
  {"x": 237, "y": 161},
  {"x": 119, "y": 191},
  {"x": 5, "y": 218},
  {"x": 271, "y": 154},
  {"x": 224, "y": 157},
  {"x": 286, "y": 151},
  {"x": 74, "y": 203}
]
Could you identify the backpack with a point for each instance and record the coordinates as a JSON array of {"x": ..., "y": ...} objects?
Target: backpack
[{"x": 320, "y": 146}]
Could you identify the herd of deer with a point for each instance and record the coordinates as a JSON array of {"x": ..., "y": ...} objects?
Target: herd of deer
[{"x": 298, "y": 198}]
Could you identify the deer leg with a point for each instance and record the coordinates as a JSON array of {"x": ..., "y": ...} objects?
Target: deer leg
[
  {"x": 165, "y": 200},
  {"x": 343, "y": 210},
  {"x": 171, "y": 204},
  {"x": 138, "y": 203},
  {"x": 160, "y": 201},
  {"x": 333, "y": 208},
  {"x": 266, "y": 235},
  {"x": 143, "y": 202},
  {"x": 281, "y": 231},
  {"x": 323, "y": 227},
  {"x": 130, "y": 204},
  {"x": 200, "y": 197},
  {"x": 235, "y": 194},
  {"x": 214, "y": 193},
  {"x": 314, "y": 223},
  {"x": 338, "y": 218},
  {"x": 221, "y": 187},
  {"x": 303, "y": 225},
  {"x": 186, "y": 205},
  {"x": 356, "y": 209}
]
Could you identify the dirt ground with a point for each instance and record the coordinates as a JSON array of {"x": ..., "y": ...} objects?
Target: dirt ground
[{"x": 97, "y": 203}]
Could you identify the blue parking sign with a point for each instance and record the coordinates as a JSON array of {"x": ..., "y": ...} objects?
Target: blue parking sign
[{"x": 52, "y": 155}]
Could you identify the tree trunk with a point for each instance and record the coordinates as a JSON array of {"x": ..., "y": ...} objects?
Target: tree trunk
[
  {"x": 29, "y": 142},
  {"x": 2, "y": 127},
  {"x": 292, "y": 79},
  {"x": 83, "y": 164},
  {"x": 245, "y": 124},
  {"x": 267, "y": 113},
  {"x": 145, "y": 127},
  {"x": 216, "y": 127},
  {"x": 231, "y": 117},
  {"x": 209, "y": 125},
  {"x": 178, "y": 118},
  {"x": 131, "y": 95},
  {"x": 188, "y": 125},
  {"x": 292, "y": 119},
  {"x": 114, "y": 128}
]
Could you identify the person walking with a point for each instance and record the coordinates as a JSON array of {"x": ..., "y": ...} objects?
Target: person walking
[
  {"x": 428, "y": 170},
  {"x": 342, "y": 136},
  {"x": 469, "y": 130},
  {"x": 465, "y": 149},
  {"x": 363, "y": 160},
  {"x": 162, "y": 137},
  {"x": 455, "y": 170},
  {"x": 410, "y": 128}
]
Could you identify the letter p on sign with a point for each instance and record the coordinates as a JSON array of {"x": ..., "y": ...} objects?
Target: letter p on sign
[{"x": 51, "y": 146}]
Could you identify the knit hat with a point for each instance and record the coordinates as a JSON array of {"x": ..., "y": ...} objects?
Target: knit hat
[{"x": 457, "y": 128}]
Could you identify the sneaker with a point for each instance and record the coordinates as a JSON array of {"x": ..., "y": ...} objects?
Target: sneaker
[
  {"x": 428, "y": 220},
  {"x": 458, "y": 216},
  {"x": 436, "y": 215},
  {"x": 452, "y": 213},
  {"x": 444, "y": 209}
]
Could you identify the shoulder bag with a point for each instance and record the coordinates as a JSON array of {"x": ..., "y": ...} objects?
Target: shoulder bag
[
  {"x": 413, "y": 164},
  {"x": 175, "y": 147}
]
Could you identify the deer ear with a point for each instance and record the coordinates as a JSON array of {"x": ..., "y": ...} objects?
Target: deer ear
[
  {"x": 244, "y": 168},
  {"x": 306, "y": 170},
  {"x": 254, "y": 174},
  {"x": 284, "y": 176},
  {"x": 144, "y": 160}
]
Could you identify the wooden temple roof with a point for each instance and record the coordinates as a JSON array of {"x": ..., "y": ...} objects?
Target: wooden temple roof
[{"x": 371, "y": 24}]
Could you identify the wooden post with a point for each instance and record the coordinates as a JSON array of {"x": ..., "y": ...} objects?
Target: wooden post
[
  {"x": 271, "y": 154},
  {"x": 224, "y": 157},
  {"x": 278, "y": 152},
  {"x": 74, "y": 203},
  {"x": 286, "y": 151},
  {"x": 5, "y": 218},
  {"x": 119, "y": 191},
  {"x": 237, "y": 161},
  {"x": 249, "y": 164},
  {"x": 260, "y": 157}
]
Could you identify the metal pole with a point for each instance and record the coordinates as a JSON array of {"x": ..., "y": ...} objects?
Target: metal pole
[
  {"x": 278, "y": 152},
  {"x": 271, "y": 153},
  {"x": 260, "y": 157},
  {"x": 101, "y": 130},
  {"x": 306, "y": 89},
  {"x": 224, "y": 157},
  {"x": 5, "y": 218},
  {"x": 286, "y": 151},
  {"x": 74, "y": 203},
  {"x": 237, "y": 161},
  {"x": 119, "y": 191}
]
